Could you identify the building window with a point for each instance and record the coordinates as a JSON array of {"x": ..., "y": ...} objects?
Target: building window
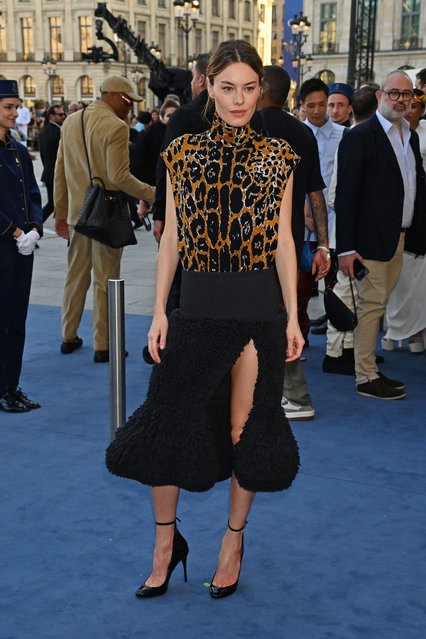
[
  {"x": 247, "y": 37},
  {"x": 274, "y": 13},
  {"x": 86, "y": 86},
  {"x": 410, "y": 25},
  {"x": 215, "y": 39},
  {"x": 3, "y": 50},
  {"x": 27, "y": 39},
  {"x": 198, "y": 41},
  {"x": 180, "y": 46},
  {"x": 261, "y": 13},
  {"x": 55, "y": 30},
  {"x": 141, "y": 26},
  {"x": 86, "y": 35},
  {"x": 247, "y": 11},
  {"x": 162, "y": 39},
  {"x": 231, "y": 10},
  {"x": 142, "y": 2},
  {"x": 162, "y": 4},
  {"x": 215, "y": 8},
  {"x": 328, "y": 14},
  {"x": 231, "y": 35},
  {"x": 29, "y": 86},
  {"x": 57, "y": 86}
]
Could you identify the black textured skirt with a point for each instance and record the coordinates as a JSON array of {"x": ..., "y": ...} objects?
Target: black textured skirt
[{"x": 180, "y": 435}]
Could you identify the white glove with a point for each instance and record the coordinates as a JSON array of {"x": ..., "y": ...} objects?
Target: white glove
[{"x": 26, "y": 242}]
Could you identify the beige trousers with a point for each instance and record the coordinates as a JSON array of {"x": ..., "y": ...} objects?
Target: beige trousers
[
  {"x": 85, "y": 256},
  {"x": 373, "y": 295}
]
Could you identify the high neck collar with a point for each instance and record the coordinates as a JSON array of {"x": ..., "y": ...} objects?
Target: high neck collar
[{"x": 229, "y": 135}]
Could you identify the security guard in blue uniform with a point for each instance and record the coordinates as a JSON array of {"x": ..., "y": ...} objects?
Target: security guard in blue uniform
[{"x": 21, "y": 227}]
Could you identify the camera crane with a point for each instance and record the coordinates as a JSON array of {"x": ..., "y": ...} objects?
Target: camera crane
[{"x": 162, "y": 79}]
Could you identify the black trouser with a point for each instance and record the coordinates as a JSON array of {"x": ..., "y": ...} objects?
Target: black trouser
[
  {"x": 49, "y": 207},
  {"x": 15, "y": 284}
]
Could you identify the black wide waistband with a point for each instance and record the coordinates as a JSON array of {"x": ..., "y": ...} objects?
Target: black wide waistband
[{"x": 242, "y": 295}]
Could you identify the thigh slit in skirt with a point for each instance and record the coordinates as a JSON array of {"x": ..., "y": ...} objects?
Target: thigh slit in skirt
[{"x": 180, "y": 435}]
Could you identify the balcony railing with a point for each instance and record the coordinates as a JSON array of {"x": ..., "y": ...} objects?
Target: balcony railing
[
  {"x": 325, "y": 48},
  {"x": 25, "y": 57},
  {"x": 407, "y": 43}
]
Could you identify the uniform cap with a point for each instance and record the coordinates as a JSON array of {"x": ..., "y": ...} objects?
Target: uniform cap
[
  {"x": 119, "y": 84},
  {"x": 341, "y": 87},
  {"x": 9, "y": 89}
]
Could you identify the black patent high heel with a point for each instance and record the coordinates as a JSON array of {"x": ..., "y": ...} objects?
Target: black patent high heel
[
  {"x": 219, "y": 592},
  {"x": 179, "y": 554}
]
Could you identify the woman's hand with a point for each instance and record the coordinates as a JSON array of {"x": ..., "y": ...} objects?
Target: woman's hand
[
  {"x": 157, "y": 336},
  {"x": 295, "y": 341}
]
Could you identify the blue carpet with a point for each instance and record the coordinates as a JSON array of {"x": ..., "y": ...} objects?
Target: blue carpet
[{"x": 339, "y": 556}]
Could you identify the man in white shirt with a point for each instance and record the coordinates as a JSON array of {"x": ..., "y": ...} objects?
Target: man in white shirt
[
  {"x": 22, "y": 121},
  {"x": 380, "y": 208}
]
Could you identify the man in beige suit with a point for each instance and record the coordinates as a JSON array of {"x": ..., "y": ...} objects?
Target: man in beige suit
[{"x": 107, "y": 139}]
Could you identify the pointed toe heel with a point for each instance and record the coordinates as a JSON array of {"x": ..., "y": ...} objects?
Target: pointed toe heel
[
  {"x": 179, "y": 554},
  {"x": 220, "y": 592}
]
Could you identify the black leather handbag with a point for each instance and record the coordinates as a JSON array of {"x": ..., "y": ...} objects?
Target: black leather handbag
[
  {"x": 105, "y": 215},
  {"x": 339, "y": 315}
]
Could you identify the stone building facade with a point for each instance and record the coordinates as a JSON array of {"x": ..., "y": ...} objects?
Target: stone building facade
[
  {"x": 34, "y": 30},
  {"x": 400, "y": 37}
]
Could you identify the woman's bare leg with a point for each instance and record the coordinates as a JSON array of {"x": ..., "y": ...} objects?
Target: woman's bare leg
[
  {"x": 243, "y": 380},
  {"x": 165, "y": 500}
]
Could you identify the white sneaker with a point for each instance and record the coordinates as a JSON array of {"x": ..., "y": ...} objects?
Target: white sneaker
[
  {"x": 415, "y": 344},
  {"x": 296, "y": 411},
  {"x": 387, "y": 344}
]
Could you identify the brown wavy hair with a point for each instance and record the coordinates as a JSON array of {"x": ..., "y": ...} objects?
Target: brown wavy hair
[{"x": 229, "y": 52}]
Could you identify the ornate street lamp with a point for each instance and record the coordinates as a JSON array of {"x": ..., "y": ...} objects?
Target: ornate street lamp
[
  {"x": 300, "y": 28},
  {"x": 137, "y": 76},
  {"x": 49, "y": 68},
  {"x": 186, "y": 13}
]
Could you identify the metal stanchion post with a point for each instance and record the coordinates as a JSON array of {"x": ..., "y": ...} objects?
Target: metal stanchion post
[{"x": 117, "y": 370}]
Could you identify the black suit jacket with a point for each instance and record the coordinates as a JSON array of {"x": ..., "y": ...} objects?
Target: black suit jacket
[
  {"x": 370, "y": 195},
  {"x": 49, "y": 143}
]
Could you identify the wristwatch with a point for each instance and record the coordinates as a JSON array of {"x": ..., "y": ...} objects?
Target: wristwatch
[{"x": 324, "y": 248}]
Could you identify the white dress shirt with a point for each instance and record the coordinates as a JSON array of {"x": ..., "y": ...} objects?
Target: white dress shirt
[
  {"x": 328, "y": 139},
  {"x": 407, "y": 163}
]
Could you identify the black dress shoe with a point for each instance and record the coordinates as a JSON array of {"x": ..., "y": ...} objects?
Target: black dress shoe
[
  {"x": 10, "y": 404},
  {"x": 24, "y": 399},
  {"x": 101, "y": 357},
  {"x": 70, "y": 346}
]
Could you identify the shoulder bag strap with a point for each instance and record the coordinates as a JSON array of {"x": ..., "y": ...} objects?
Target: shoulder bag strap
[
  {"x": 85, "y": 145},
  {"x": 353, "y": 299}
]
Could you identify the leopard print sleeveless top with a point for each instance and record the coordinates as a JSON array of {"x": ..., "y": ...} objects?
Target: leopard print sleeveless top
[{"x": 228, "y": 184}]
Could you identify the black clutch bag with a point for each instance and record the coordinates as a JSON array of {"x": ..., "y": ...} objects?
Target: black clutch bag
[{"x": 105, "y": 215}]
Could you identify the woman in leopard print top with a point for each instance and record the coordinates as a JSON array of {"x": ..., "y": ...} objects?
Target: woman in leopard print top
[{"x": 228, "y": 220}]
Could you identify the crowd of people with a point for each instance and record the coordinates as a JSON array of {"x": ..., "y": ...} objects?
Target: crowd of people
[{"x": 238, "y": 187}]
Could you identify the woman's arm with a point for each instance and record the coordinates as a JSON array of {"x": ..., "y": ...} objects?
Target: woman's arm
[
  {"x": 286, "y": 264},
  {"x": 167, "y": 262}
]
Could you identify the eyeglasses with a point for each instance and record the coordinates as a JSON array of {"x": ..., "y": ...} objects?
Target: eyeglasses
[
  {"x": 394, "y": 94},
  {"x": 126, "y": 99},
  {"x": 62, "y": 115}
]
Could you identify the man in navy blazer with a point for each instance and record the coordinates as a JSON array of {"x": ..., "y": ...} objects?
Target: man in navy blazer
[{"x": 380, "y": 208}]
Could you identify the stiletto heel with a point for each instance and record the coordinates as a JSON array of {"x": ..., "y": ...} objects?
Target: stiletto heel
[
  {"x": 179, "y": 554},
  {"x": 219, "y": 592}
]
